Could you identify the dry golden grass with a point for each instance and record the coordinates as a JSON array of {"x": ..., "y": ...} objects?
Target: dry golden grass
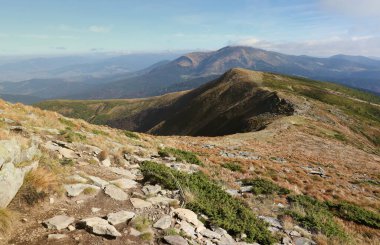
[
  {"x": 7, "y": 217},
  {"x": 43, "y": 180},
  {"x": 103, "y": 155}
]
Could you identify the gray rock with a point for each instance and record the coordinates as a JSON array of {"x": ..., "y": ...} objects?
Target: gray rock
[
  {"x": 10, "y": 151},
  {"x": 210, "y": 234},
  {"x": 134, "y": 232},
  {"x": 233, "y": 192},
  {"x": 98, "y": 181},
  {"x": 163, "y": 223},
  {"x": 99, "y": 226},
  {"x": 115, "y": 193},
  {"x": 124, "y": 172},
  {"x": 74, "y": 190},
  {"x": 11, "y": 180},
  {"x": 58, "y": 222},
  {"x": 175, "y": 240},
  {"x": 188, "y": 215},
  {"x": 139, "y": 203},
  {"x": 272, "y": 221},
  {"x": 67, "y": 153},
  {"x": 161, "y": 200},
  {"x": 120, "y": 217},
  {"x": 303, "y": 241},
  {"x": 151, "y": 190},
  {"x": 57, "y": 236},
  {"x": 77, "y": 178},
  {"x": 125, "y": 183},
  {"x": 188, "y": 229},
  {"x": 106, "y": 162}
]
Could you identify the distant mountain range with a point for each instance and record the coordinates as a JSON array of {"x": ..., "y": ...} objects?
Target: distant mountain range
[
  {"x": 124, "y": 76},
  {"x": 354, "y": 71}
]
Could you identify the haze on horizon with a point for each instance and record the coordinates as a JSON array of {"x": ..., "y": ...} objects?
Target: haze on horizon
[{"x": 317, "y": 28}]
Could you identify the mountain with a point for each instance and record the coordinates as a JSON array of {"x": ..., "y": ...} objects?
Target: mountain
[
  {"x": 74, "y": 68},
  {"x": 359, "y": 72},
  {"x": 238, "y": 101},
  {"x": 309, "y": 175},
  {"x": 25, "y": 99}
]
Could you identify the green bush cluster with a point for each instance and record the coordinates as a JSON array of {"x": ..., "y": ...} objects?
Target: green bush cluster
[
  {"x": 210, "y": 199},
  {"x": 234, "y": 167},
  {"x": 263, "y": 186},
  {"x": 180, "y": 155},
  {"x": 131, "y": 134}
]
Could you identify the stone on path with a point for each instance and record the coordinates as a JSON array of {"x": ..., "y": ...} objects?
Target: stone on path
[
  {"x": 74, "y": 190},
  {"x": 139, "y": 203},
  {"x": 115, "y": 193},
  {"x": 56, "y": 236},
  {"x": 175, "y": 240},
  {"x": 124, "y": 183},
  {"x": 99, "y": 226},
  {"x": 120, "y": 217},
  {"x": 58, "y": 222},
  {"x": 163, "y": 223}
]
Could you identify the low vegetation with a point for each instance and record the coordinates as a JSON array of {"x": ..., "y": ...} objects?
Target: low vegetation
[
  {"x": 263, "y": 186},
  {"x": 210, "y": 199},
  {"x": 6, "y": 220},
  {"x": 141, "y": 223},
  {"x": 181, "y": 155},
  {"x": 131, "y": 134},
  {"x": 234, "y": 167},
  {"x": 70, "y": 136},
  {"x": 319, "y": 216}
]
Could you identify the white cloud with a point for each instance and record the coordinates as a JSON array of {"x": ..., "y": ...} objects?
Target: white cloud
[
  {"x": 359, "y": 8},
  {"x": 99, "y": 29},
  {"x": 355, "y": 45}
]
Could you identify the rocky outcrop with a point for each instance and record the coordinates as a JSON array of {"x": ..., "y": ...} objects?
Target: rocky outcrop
[{"x": 11, "y": 176}]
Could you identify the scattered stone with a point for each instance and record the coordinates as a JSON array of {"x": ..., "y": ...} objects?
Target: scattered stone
[
  {"x": 99, "y": 226},
  {"x": 71, "y": 228},
  {"x": 98, "y": 181},
  {"x": 77, "y": 178},
  {"x": 67, "y": 153},
  {"x": 124, "y": 172},
  {"x": 272, "y": 221},
  {"x": 303, "y": 241},
  {"x": 125, "y": 183},
  {"x": 151, "y": 190},
  {"x": 95, "y": 210},
  {"x": 134, "y": 232},
  {"x": 188, "y": 229},
  {"x": 120, "y": 217},
  {"x": 278, "y": 160},
  {"x": 58, "y": 222},
  {"x": 175, "y": 240},
  {"x": 139, "y": 203},
  {"x": 210, "y": 234},
  {"x": 51, "y": 200},
  {"x": 106, "y": 162},
  {"x": 233, "y": 192},
  {"x": 161, "y": 200},
  {"x": 76, "y": 189},
  {"x": 188, "y": 215},
  {"x": 115, "y": 193},
  {"x": 294, "y": 234},
  {"x": 56, "y": 236},
  {"x": 163, "y": 223}
]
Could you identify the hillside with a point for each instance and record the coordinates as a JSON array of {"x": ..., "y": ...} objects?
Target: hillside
[
  {"x": 359, "y": 72},
  {"x": 312, "y": 176},
  {"x": 239, "y": 101}
]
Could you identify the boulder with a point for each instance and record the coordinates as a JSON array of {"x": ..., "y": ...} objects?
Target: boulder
[
  {"x": 115, "y": 193},
  {"x": 120, "y": 217},
  {"x": 99, "y": 226},
  {"x": 188, "y": 229},
  {"x": 98, "y": 181},
  {"x": 163, "y": 223},
  {"x": 139, "y": 203},
  {"x": 124, "y": 172},
  {"x": 11, "y": 180},
  {"x": 210, "y": 234},
  {"x": 58, "y": 222},
  {"x": 151, "y": 190},
  {"x": 175, "y": 240}
]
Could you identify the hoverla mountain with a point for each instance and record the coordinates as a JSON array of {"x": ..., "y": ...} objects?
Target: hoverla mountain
[{"x": 193, "y": 69}]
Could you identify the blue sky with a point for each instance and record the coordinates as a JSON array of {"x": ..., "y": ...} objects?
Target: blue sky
[{"x": 320, "y": 28}]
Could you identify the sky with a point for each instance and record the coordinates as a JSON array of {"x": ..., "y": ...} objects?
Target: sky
[{"x": 309, "y": 27}]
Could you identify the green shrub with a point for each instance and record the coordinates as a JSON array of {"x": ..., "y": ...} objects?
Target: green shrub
[
  {"x": 131, "y": 134},
  {"x": 315, "y": 216},
  {"x": 210, "y": 199},
  {"x": 71, "y": 136},
  {"x": 266, "y": 187},
  {"x": 234, "y": 167},
  {"x": 180, "y": 155},
  {"x": 66, "y": 122},
  {"x": 351, "y": 212}
]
